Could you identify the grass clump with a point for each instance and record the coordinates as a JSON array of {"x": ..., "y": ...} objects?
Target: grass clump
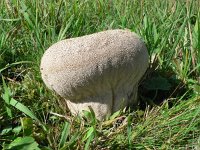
[{"x": 168, "y": 116}]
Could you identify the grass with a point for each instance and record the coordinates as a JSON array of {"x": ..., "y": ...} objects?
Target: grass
[{"x": 168, "y": 115}]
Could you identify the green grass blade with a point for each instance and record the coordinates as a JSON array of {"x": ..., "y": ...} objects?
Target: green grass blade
[
  {"x": 74, "y": 138},
  {"x": 16, "y": 63},
  {"x": 10, "y": 20},
  {"x": 23, "y": 109},
  {"x": 89, "y": 133},
  {"x": 6, "y": 97},
  {"x": 64, "y": 135},
  {"x": 65, "y": 28},
  {"x": 89, "y": 140},
  {"x": 179, "y": 36}
]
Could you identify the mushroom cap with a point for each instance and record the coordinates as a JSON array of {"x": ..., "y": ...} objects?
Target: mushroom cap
[{"x": 101, "y": 68}]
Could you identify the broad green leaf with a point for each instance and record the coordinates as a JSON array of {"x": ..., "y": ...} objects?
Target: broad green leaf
[
  {"x": 23, "y": 143},
  {"x": 157, "y": 83}
]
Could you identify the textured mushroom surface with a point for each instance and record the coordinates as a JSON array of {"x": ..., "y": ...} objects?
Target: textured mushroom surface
[{"x": 101, "y": 70}]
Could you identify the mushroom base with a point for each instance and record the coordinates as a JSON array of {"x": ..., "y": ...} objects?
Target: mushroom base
[{"x": 104, "y": 106}]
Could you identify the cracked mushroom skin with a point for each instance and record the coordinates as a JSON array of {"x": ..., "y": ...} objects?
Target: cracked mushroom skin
[{"x": 100, "y": 70}]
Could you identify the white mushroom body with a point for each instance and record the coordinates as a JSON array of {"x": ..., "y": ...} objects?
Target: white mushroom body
[{"x": 101, "y": 70}]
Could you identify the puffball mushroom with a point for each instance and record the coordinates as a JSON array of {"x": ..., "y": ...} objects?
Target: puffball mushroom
[{"x": 100, "y": 70}]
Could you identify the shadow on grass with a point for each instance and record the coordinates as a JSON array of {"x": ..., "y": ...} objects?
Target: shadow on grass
[{"x": 159, "y": 86}]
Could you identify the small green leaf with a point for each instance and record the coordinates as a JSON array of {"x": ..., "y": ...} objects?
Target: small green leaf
[
  {"x": 87, "y": 114},
  {"x": 17, "y": 130},
  {"x": 6, "y": 130},
  {"x": 90, "y": 116},
  {"x": 116, "y": 114},
  {"x": 27, "y": 125},
  {"x": 23, "y": 143}
]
